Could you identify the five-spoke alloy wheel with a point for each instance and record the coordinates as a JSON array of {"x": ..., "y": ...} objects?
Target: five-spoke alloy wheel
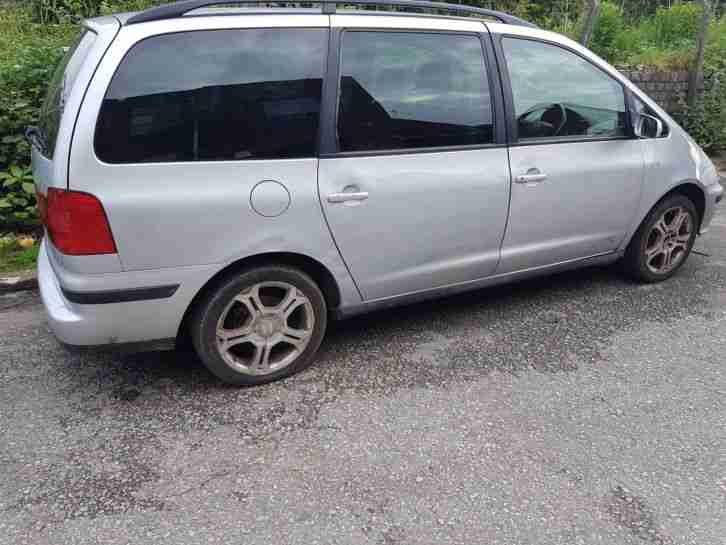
[
  {"x": 663, "y": 241},
  {"x": 264, "y": 324},
  {"x": 668, "y": 241},
  {"x": 265, "y": 328}
]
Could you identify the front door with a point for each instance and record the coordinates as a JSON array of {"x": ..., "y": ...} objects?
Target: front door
[
  {"x": 576, "y": 171},
  {"x": 417, "y": 195}
]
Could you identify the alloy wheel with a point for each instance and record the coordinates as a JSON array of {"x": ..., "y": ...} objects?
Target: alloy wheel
[
  {"x": 265, "y": 328},
  {"x": 668, "y": 242}
]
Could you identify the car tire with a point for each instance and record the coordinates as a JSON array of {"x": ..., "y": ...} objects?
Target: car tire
[
  {"x": 664, "y": 240},
  {"x": 260, "y": 325}
]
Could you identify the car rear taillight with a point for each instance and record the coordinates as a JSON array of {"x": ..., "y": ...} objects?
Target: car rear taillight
[{"x": 76, "y": 223}]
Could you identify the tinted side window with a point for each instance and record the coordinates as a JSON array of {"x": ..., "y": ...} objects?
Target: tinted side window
[
  {"x": 215, "y": 95},
  {"x": 60, "y": 87},
  {"x": 557, "y": 93},
  {"x": 411, "y": 90}
]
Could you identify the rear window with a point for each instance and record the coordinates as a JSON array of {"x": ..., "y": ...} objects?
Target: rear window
[
  {"x": 60, "y": 86},
  {"x": 214, "y": 96}
]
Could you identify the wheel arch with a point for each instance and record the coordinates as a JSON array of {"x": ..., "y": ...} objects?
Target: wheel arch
[
  {"x": 631, "y": 257},
  {"x": 694, "y": 192},
  {"x": 688, "y": 188},
  {"x": 320, "y": 274}
]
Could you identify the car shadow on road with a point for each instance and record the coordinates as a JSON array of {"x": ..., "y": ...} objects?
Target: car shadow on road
[
  {"x": 127, "y": 373},
  {"x": 552, "y": 286},
  {"x": 554, "y": 324},
  {"x": 549, "y": 324}
]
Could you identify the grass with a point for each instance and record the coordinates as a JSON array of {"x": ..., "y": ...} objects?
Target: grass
[
  {"x": 18, "y": 31},
  {"x": 662, "y": 59},
  {"x": 13, "y": 258}
]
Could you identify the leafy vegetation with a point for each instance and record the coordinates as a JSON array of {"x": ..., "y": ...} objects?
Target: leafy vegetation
[
  {"x": 29, "y": 52},
  {"x": 665, "y": 40},
  {"x": 706, "y": 120},
  {"x": 17, "y": 201},
  {"x": 17, "y": 254},
  {"x": 71, "y": 11}
]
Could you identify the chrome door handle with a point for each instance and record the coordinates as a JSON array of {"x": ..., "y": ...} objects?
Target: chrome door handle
[
  {"x": 533, "y": 176},
  {"x": 346, "y": 197}
]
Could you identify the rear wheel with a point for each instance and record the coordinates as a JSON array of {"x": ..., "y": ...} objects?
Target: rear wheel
[
  {"x": 663, "y": 241},
  {"x": 260, "y": 326}
]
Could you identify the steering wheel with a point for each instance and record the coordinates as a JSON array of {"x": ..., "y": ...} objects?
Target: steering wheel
[
  {"x": 563, "y": 117},
  {"x": 547, "y": 119}
]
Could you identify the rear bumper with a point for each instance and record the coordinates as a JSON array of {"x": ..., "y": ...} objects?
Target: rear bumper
[
  {"x": 118, "y": 308},
  {"x": 66, "y": 324}
]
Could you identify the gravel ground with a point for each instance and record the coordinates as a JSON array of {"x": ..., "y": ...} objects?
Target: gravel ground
[{"x": 579, "y": 408}]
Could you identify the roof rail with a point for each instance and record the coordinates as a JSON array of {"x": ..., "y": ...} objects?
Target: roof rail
[{"x": 178, "y": 9}]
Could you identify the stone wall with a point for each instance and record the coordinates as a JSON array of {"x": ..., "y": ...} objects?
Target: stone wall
[{"x": 667, "y": 88}]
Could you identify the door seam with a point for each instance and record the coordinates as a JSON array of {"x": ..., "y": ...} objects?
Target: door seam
[
  {"x": 507, "y": 139},
  {"x": 325, "y": 96},
  {"x": 332, "y": 235}
]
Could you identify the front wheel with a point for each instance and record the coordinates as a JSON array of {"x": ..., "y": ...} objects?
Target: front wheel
[
  {"x": 260, "y": 326},
  {"x": 663, "y": 241}
]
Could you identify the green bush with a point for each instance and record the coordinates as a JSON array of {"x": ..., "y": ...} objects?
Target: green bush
[
  {"x": 706, "y": 120},
  {"x": 715, "y": 58},
  {"x": 610, "y": 26},
  {"x": 24, "y": 83},
  {"x": 116, "y": 6},
  {"x": 63, "y": 11},
  {"x": 628, "y": 43},
  {"x": 71, "y": 11},
  {"x": 17, "y": 199},
  {"x": 662, "y": 59},
  {"x": 665, "y": 40},
  {"x": 28, "y": 55},
  {"x": 675, "y": 26}
]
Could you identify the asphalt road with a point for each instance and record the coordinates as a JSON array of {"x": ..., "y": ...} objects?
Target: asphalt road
[{"x": 575, "y": 409}]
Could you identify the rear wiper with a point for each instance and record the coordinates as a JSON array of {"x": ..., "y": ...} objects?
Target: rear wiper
[{"x": 35, "y": 137}]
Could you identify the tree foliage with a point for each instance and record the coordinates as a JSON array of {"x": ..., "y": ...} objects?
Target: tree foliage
[{"x": 589, "y": 20}]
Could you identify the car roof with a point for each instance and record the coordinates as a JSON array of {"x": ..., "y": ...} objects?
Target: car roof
[
  {"x": 493, "y": 26},
  {"x": 211, "y": 11},
  {"x": 184, "y": 8},
  {"x": 199, "y": 14}
]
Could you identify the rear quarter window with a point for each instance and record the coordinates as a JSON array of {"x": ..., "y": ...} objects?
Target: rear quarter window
[
  {"x": 214, "y": 96},
  {"x": 60, "y": 86}
]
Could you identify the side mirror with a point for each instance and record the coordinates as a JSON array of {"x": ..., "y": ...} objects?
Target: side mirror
[{"x": 648, "y": 126}]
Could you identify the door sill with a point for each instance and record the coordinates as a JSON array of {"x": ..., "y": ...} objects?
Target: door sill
[{"x": 461, "y": 287}]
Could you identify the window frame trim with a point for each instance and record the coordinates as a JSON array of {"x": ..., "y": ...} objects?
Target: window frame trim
[
  {"x": 514, "y": 140},
  {"x": 317, "y": 138},
  {"x": 50, "y": 154},
  {"x": 330, "y": 144}
]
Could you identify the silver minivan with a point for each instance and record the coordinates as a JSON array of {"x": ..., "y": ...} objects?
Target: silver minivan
[{"x": 238, "y": 175}]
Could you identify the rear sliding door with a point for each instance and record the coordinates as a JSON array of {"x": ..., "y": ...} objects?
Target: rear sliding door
[{"x": 416, "y": 193}]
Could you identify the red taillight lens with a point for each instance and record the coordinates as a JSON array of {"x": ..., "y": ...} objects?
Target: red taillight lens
[{"x": 77, "y": 223}]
